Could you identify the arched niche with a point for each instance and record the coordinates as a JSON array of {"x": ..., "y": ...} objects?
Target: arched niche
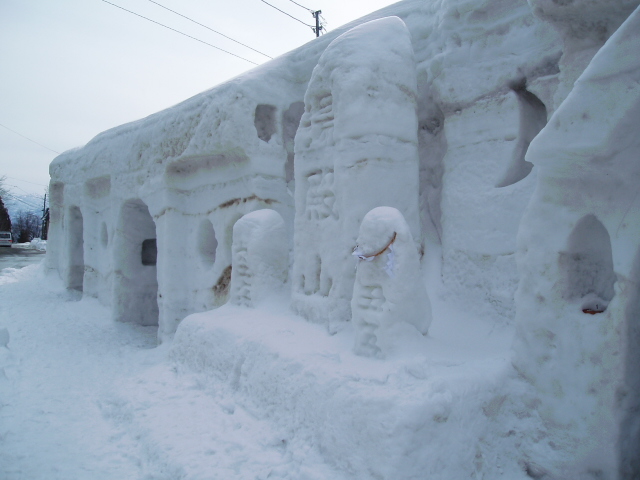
[
  {"x": 586, "y": 266},
  {"x": 135, "y": 257},
  {"x": 207, "y": 243}
]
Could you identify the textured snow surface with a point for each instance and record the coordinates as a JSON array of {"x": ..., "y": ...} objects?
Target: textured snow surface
[
  {"x": 243, "y": 394},
  {"x": 583, "y": 359}
]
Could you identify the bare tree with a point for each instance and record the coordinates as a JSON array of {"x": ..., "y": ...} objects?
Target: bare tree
[
  {"x": 25, "y": 227},
  {"x": 3, "y": 190},
  {"x": 5, "y": 220}
]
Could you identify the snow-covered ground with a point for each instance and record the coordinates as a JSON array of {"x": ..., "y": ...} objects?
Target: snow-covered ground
[{"x": 83, "y": 397}]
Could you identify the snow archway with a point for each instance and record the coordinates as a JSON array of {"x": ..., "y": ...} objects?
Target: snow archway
[
  {"x": 75, "y": 244},
  {"x": 135, "y": 255}
]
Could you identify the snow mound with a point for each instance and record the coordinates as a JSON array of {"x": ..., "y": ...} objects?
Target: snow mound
[{"x": 408, "y": 417}]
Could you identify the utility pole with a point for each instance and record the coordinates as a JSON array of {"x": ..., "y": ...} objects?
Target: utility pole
[
  {"x": 43, "y": 232},
  {"x": 318, "y": 27}
]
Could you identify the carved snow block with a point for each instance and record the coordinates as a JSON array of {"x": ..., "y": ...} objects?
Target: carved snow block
[
  {"x": 356, "y": 149},
  {"x": 259, "y": 256},
  {"x": 97, "y": 234},
  {"x": 578, "y": 302},
  {"x": 486, "y": 186},
  {"x": 389, "y": 292}
]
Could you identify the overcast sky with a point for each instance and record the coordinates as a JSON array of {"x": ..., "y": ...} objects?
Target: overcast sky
[{"x": 70, "y": 69}]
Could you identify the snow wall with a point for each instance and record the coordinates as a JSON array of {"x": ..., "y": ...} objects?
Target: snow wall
[
  {"x": 200, "y": 165},
  {"x": 431, "y": 112}
]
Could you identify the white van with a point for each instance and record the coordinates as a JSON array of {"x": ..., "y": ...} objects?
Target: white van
[{"x": 5, "y": 239}]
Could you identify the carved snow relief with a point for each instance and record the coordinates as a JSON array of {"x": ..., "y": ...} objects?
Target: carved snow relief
[
  {"x": 389, "y": 290},
  {"x": 260, "y": 257},
  {"x": 356, "y": 149}
]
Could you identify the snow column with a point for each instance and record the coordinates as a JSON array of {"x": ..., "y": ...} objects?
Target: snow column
[
  {"x": 578, "y": 302},
  {"x": 356, "y": 149}
]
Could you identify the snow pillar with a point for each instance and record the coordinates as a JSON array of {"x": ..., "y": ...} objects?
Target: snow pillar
[
  {"x": 260, "y": 257},
  {"x": 578, "y": 302},
  {"x": 356, "y": 149},
  {"x": 174, "y": 275},
  {"x": 74, "y": 278},
  {"x": 55, "y": 239},
  {"x": 96, "y": 235}
]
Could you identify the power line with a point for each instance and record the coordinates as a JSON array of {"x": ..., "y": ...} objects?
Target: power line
[
  {"x": 178, "y": 31},
  {"x": 15, "y": 186},
  {"x": 282, "y": 11},
  {"x": 16, "y": 199},
  {"x": 209, "y": 28},
  {"x": 26, "y": 181},
  {"x": 309, "y": 9},
  {"x": 31, "y": 140}
]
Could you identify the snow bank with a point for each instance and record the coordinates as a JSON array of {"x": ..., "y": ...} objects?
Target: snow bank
[{"x": 39, "y": 244}]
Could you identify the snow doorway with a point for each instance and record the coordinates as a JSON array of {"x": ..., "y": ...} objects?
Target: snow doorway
[
  {"x": 587, "y": 266},
  {"x": 75, "y": 244},
  {"x": 135, "y": 256}
]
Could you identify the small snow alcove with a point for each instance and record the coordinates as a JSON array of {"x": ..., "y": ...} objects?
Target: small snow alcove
[{"x": 587, "y": 266}]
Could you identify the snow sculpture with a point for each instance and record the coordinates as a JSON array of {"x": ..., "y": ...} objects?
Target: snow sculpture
[
  {"x": 356, "y": 148},
  {"x": 579, "y": 258},
  {"x": 389, "y": 288},
  {"x": 260, "y": 257},
  {"x": 584, "y": 26}
]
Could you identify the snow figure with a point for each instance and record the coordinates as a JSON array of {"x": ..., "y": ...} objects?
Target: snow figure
[
  {"x": 578, "y": 302},
  {"x": 389, "y": 288},
  {"x": 259, "y": 256},
  {"x": 356, "y": 148}
]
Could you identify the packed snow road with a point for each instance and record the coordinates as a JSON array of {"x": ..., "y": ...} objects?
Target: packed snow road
[
  {"x": 86, "y": 398},
  {"x": 61, "y": 357},
  {"x": 16, "y": 257}
]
